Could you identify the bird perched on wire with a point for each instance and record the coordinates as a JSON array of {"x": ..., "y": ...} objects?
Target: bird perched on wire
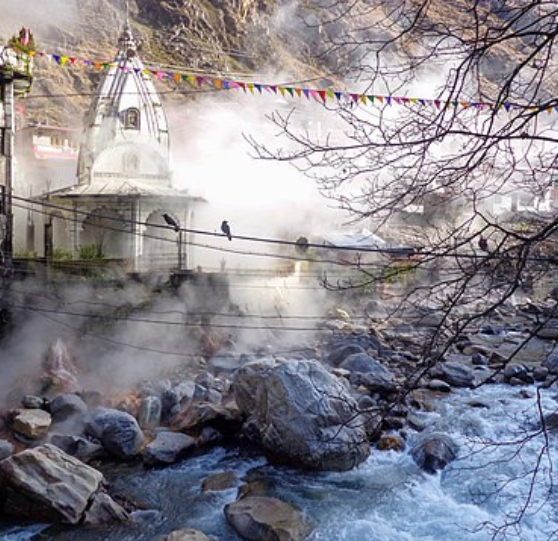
[
  {"x": 483, "y": 244},
  {"x": 172, "y": 222},
  {"x": 226, "y": 229}
]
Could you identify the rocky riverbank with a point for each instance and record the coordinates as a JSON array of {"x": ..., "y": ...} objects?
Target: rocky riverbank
[{"x": 325, "y": 406}]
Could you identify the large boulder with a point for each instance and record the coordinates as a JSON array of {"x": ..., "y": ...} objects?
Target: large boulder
[
  {"x": 258, "y": 518},
  {"x": 46, "y": 484},
  {"x": 67, "y": 405},
  {"x": 117, "y": 430},
  {"x": 167, "y": 448},
  {"x": 301, "y": 415},
  {"x": 454, "y": 373},
  {"x": 32, "y": 424},
  {"x": 433, "y": 452},
  {"x": 363, "y": 364}
]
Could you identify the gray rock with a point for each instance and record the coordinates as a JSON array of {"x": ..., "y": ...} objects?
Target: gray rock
[
  {"x": 65, "y": 406},
  {"x": 457, "y": 375},
  {"x": 363, "y": 363},
  {"x": 32, "y": 402},
  {"x": 150, "y": 412},
  {"x": 433, "y": 452},
  {"x": 551, "y": 363},
  {"x": 168, "y": 448},
  {"x": 515, "y": 371},
  {"x": 185, "y": 535},
  {"x": 377, "y": 382},
  {"x": 103, "y": 509},
  {"x": 6, "y": 449},
  {"x": 540, "y": 373},
  {"x": 300, "y": 414},
  {"x": 267, "y": 519},
  {"x": 78, "y": 447},
  {"x": 339, "y": 354},
  {"x": 117, "y": 430},
  {"x": 32, "y": 424},
  {"x": 46, "y": 484},
  {"x": 220, "y": 481},
  {"x": 439, "y": 386}
]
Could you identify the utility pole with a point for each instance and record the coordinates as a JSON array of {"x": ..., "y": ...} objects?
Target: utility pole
[
  {"x": 15, "y": 79},
  {"x": 7, "y": 151}
]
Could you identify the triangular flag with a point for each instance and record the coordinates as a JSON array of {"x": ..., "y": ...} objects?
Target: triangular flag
[
  {"x": 380, "y": 99},
  {"x": 243, "y": 86},
  {"x": 290, "y": 91},
  {"x": 354, "y": 97},
  {"x": 398, "y": 101},
  {"x": 281, "y": 90},
  {"x": 330, "y": 94},
  {"x": 63, "y": 60},
  {"x": 422, "y": 102},
  {"x": 337, "y": 95},
  {"x": 105, "y": 65},
  {"x": 177, "y": 77},
  {"x": 199, "y": 81},
  {"x": 137, "y": 70},
  {"x": 72, "y": 60},
  {"x": 371, "y": 98},
  {"x": 363, "y": 98},
  {"x": 437, "y": 103},
  {"x": 414, "y": 101},
  {"x": 388, "y": 100},
  {"x": 250, "y": 87},
  {"x": 454, "y": 103},
  {"x": 258, "y": 87},
  {"x": 322, "y": 94},
  {"x": 56, "y": 58},
  {"x": 507, "y": 106},
  {"x": 298, "y": 91},
  {"x": 226, "y": 85},
  {"x": 273, "y": 88},
  {"x": 463, "y": 104},
  {"x": 306, "y": 92},
  {"x": 218, "y": 83}
]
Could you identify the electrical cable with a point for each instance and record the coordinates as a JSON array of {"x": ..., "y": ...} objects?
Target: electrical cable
[
  {"x": 162, "y": 322},
  {"x": 397, "y": 251}
]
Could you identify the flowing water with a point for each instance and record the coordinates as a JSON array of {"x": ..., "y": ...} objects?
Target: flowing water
[{"x": 387, "y": 498}]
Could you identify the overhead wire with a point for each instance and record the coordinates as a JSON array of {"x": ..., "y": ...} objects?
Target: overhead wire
[
  {"x": 113, "y": 317},
  {"x": 387, "y": 251}
]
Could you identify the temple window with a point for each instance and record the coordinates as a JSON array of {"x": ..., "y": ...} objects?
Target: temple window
[{"x": 132, "y": 119}]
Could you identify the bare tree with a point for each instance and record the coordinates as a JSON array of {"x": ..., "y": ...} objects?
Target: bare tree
[{"x": 455, "y": 150}]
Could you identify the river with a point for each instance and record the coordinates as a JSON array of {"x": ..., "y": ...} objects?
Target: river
[{"x": 386, "y": 499}]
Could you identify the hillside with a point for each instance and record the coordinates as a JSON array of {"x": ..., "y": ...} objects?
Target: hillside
[{"x": 240, "y": 38}]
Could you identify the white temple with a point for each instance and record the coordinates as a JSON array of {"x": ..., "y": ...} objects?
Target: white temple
[{"x": 124, "y": 176}]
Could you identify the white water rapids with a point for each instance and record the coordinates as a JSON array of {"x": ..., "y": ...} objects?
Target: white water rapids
[{"x": 387, "y": 498}]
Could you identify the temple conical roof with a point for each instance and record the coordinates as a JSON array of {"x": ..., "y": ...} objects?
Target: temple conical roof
[{"x": 126, "y": 132}]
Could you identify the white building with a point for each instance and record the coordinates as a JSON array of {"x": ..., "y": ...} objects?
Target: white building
[{"x": 124, "y": 177}]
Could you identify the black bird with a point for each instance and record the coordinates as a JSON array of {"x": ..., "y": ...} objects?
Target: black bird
[
  {"x": 226, "y": 229},
  {"x": 483, "y": 244},
  {"x": 172, "y": 222}
]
